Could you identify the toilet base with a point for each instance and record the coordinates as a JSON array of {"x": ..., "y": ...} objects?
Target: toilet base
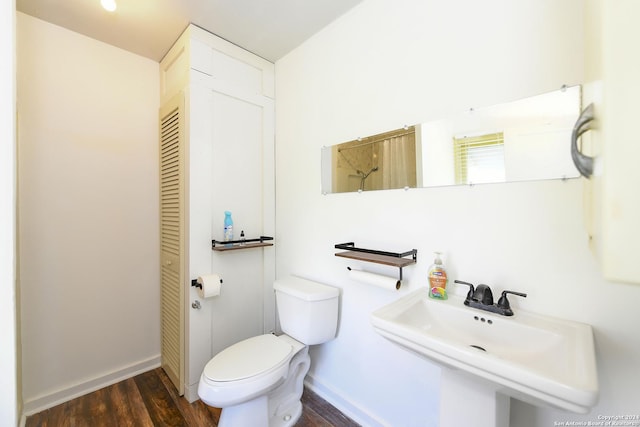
[
  {"x": 251, "y": 413},
  {"x": 288, "y": 417},
  {"x": 285, "y": 407},
  {"x": 280, "y": 407}
]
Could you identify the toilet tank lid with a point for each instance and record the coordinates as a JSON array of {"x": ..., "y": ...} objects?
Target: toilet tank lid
[{"x": 304, "y": 289}]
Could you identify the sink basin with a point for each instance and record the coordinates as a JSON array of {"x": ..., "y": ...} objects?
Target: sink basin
[{"x": 535, "y": 358}]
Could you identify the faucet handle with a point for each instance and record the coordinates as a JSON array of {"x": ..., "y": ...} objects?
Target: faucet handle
[
  {"x": 503, "y": 302},
  {"x": 471, "y": 289}
]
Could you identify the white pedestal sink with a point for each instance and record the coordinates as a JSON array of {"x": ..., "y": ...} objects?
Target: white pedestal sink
[
  {"x": 538, "y": 359},
  {"x": 467, "y": 401}
]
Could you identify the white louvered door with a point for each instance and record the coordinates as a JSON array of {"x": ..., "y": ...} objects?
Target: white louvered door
[{"x": 172, "y": 237}]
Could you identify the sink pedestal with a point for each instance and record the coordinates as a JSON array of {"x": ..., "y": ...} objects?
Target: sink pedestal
[{"x": 469, "y": 401}]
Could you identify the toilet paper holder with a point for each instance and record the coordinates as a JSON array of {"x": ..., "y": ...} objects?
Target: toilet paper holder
[{"x": 194, "y": 282}]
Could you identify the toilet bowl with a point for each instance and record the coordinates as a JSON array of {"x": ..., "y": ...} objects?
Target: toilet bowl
[{"x": 259, "y": 381}]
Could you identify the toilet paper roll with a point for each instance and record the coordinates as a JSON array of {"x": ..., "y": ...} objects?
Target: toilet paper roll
[
  {"x": 210, "y": 285},
  {"x": 385, "y": 282}
]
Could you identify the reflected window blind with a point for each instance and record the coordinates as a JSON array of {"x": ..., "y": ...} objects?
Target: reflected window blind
[{"x": 479, "y": 158}]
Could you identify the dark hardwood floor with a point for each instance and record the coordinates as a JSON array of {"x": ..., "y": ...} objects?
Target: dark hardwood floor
[{"x": 150, "y": 399}]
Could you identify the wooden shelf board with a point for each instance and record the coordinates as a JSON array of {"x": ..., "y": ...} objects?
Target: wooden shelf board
[
  {"x": 237, "y": 246},
  {"x": 378, "y": 259}
]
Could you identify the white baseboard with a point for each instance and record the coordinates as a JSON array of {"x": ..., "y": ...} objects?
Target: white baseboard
[
  {"x": 40, "y": 403},
  {"x": 191, "y": 392},
  {"x": 352, "y": 410}
]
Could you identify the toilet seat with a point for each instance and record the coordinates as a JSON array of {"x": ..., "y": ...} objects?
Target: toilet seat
[
  {"x": 249, "y": 358},
  {"x": 245, "y": 370}
]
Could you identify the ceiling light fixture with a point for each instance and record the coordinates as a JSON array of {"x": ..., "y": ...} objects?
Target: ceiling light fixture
[{"x": 109, "y": 5}]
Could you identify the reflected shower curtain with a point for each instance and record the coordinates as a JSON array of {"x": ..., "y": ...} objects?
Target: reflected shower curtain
[{"x": 399, "y": 162}]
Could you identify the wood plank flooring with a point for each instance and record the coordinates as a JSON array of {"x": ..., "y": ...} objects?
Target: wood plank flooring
[{"x": 150, "y": 399}]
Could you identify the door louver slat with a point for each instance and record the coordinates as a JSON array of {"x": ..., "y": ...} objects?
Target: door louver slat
[{"x": 172, "y": 244}]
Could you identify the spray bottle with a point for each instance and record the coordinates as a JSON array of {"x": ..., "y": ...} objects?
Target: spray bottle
[{"x": 228, "y": 226}]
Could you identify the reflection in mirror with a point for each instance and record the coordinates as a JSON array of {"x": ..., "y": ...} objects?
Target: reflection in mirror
[
  {"x": 523, "y": 140},
  {"x": 378, "y": 162}
]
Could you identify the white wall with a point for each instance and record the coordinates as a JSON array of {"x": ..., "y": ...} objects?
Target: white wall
[
  {"x": 88, "y": 212},
  {"x": 386, "y": 64},
  {"x": 8, "y": 348}
]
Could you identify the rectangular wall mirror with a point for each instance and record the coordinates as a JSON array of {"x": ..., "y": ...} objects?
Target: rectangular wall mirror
[{"x": 524, "y": 140}]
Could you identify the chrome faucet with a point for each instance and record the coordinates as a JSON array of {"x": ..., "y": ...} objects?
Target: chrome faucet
[{"x": 482, "y": 297}]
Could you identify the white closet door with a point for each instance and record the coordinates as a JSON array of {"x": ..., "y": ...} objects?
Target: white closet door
[
  {"x": 237, "y": 165},
  {"x": 172, "y": 238},
  {"x": 226, "y": 173},
  {"x": 230, "y": 168}
]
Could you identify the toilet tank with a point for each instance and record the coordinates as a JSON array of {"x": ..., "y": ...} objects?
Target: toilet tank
[{"x": 308, "y": 310}]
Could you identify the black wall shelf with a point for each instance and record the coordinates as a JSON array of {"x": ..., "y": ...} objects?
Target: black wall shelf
[
  {"x": 232, "y": 245},
  {"x": 394, "y": 259}
]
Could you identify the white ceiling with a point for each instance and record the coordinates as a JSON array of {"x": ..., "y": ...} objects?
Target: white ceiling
[{"x": 268, "y": 28}]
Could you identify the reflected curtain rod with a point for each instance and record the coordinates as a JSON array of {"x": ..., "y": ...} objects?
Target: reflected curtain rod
[{"x": 408, "y": 132}]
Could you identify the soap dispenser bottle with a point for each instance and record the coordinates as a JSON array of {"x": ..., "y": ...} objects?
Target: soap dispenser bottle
[{"x": 437, "y": 279}]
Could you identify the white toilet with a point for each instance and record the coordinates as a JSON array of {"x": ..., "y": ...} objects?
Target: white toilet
[{"x": 258, "y": 382}]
